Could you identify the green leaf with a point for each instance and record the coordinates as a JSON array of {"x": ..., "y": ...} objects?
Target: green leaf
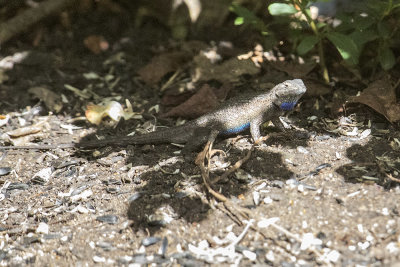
[
  {"x": 346, "y": 47},
  {"x": 280, "y": 9},
  {"x": 320, "y": 25},
  {"x": 384, "y": 30},
  {"x": 362, "y": 23},
  {"x": 362, "y": 37},
  {"x": 239, "y": 21},
  {"x": 307, "y": 44},
  {"x": 386, "y": 58},
  {"x": 377, "y": 8},
  {"x": 396, "y": 4},
  {"x": 246, "y": 15}
]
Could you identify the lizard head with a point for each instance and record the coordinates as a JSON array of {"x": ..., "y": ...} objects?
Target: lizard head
[{"x": 288, "y": 93}]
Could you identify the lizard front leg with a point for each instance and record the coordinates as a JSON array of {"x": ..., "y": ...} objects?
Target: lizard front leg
[
  {"x": 255, "y": 128},
  {"x": 279, "y": 124}
]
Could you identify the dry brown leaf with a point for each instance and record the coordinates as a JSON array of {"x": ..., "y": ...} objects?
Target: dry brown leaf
[
  {"x": 52, "y": 100},
  {"x": 26, "y": 139},
  {"x": 96, "y": 44},
  {"x": 200, "y": 103},
  {"x": 24, "y": 135},
  {"x": 228, "y": 71},
  {"x": 294, "y": 69},
  {"x": 316, "y": 88},
  {"x": 381, "y": 96},
  {"x": 223, "y": 91},
  {"x": 173, "y": 98},
  {"x": 25, "y": 131},
  {"x": 160, "y": 65}
]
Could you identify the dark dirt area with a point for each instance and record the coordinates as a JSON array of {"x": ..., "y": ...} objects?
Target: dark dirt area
[{"x": 330, "y": 197}]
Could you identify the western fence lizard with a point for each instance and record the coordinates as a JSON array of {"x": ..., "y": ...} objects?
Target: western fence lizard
[{"x": 236, "y": 115}]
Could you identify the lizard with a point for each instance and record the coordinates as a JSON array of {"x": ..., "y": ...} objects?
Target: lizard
[{"x": 235, "y": 115}]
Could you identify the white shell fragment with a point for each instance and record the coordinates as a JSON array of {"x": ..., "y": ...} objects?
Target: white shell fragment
[
  {"x": 365, "y": 133},
  {"x": 43, "y": 228},
  {"x": 42, "y": 176}
]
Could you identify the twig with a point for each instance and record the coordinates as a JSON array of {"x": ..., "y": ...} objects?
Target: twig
[
  {"x": 393, "y": 178},
  {"x": 240, "y": 162},
  {"x": 242, "y": 234},
  {"x": 205, "y": 173}
]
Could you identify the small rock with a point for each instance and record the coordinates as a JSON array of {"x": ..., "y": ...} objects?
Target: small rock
[
  {"x": 150, "y": 241},
  {"x": 256, "y": 198},
  {"x": 110, "y": 219},
  {"x": 17, "y": 186},
  {"x": 250, "y": 255},
  {"x": 99, "y": 259},
  {"x": 5, "y": 171},
  {"x": 134, "y": 197},
  {"x": 302, "y": 150}
]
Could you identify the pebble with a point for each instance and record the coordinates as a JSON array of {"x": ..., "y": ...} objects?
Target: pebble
[
  {"x": 5, "y": 171},
  {"x": 104, "y": 245},
  {"x": 17, "y": 186},
  {"x": 267, "y": 200},
  {"x": 112, "y": 190},
  {"x": 333, "y": 256},
  {"x": 110, "y": 219},
  {"x": 134, "y": 197},
  {"x": 250, "y": 255},
  {"x": 164, "y": 246},
  {"x": 256, "y": 198},
  {"x": 150, "y": 241},
  {"x": 112, "y": 182},
  {"x": 98, "y": 259},
  {"x": 302, "y": 150},
  {"x": 82, "y": 196},
  {"x": 365, "y": 134}
]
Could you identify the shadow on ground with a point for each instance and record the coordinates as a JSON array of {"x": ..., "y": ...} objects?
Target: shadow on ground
[{"x": 372, "y": 163}]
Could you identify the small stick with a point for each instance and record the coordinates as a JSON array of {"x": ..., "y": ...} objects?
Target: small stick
[{"x": 240, "y": 162}]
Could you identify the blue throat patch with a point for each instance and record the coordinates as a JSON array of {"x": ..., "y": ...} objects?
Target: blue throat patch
[
  {"x": 237, "y": 129},
  {"x": 287, "y": 106}
]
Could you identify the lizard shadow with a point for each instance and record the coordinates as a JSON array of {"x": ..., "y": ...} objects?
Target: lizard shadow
[
  {"x": 169, "y": 188},
  {"x": 169, "y": 195}
]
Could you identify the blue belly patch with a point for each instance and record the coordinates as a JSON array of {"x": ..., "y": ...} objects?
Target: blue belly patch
[
  {"x": 237, "y": 129},
  {"x": 287, "y": 105}
]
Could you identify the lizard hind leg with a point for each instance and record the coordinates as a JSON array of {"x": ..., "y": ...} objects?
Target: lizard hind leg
[{"x": 200, "y": 136}]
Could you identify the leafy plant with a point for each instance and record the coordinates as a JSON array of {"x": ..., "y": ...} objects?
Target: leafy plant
[
  {"x": 246, "y": 16},
  {"x": 368, "y": 31}
]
